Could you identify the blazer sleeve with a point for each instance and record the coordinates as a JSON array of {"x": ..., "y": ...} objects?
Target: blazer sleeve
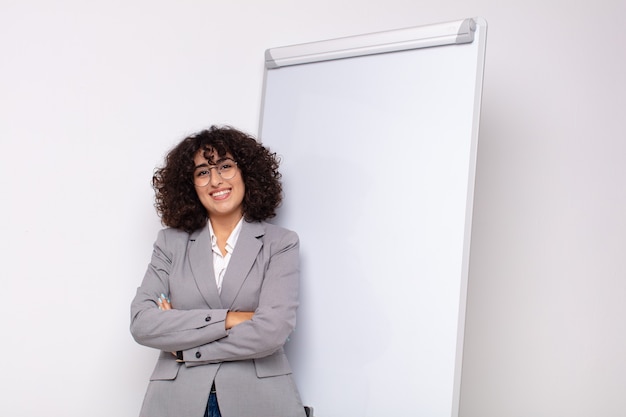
[
  {"x": 170, "y": 330},
  {"x": 274, "y": 319}
]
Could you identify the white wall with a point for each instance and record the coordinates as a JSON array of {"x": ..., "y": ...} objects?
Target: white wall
[{"x": 93, "y": 93}]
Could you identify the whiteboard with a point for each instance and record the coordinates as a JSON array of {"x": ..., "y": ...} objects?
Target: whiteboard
[{"x": 378, "y": 135}]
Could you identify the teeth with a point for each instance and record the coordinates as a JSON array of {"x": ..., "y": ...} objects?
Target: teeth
[{"x": 220, "y": 193}]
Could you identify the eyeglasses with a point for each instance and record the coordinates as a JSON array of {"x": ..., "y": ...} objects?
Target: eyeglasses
[{"x": 226, "y": 168}]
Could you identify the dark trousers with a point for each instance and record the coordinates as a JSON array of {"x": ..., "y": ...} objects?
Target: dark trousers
[{"x": 212, "y": 408}]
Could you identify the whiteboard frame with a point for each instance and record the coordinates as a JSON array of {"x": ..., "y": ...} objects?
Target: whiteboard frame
[{"x": 457, "y": 32}]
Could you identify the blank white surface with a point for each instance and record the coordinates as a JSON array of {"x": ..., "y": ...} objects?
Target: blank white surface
[{"x": 378, "y": 164}]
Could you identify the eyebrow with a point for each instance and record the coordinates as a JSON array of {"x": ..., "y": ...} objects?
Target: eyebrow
[
  {"x": 204, "y": 164},
  {"x": 201, "y": 166}
]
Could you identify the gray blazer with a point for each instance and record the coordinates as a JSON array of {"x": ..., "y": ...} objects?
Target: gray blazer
[{"x": 247, "y": 363}]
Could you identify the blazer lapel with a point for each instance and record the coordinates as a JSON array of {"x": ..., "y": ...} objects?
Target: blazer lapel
[
  {"x": 246, "y": 250},
  {"x": 201, "y": 263}
]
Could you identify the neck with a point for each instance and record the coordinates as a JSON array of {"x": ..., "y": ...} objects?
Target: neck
[{"x": 223, "y": 226}]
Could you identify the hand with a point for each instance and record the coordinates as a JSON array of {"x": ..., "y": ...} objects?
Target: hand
[
  {"x": 164, "y": 303},
  {"x": 234, "y": 318}
]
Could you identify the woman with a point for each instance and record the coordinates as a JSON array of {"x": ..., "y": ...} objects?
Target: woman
[{"x": 220, "y": 294}]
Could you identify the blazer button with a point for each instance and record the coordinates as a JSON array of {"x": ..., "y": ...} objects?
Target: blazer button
[
  {"x": 207, "y": 318},
  {"x": 198, "y": 354}
]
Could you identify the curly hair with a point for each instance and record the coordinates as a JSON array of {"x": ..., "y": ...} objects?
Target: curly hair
[{"x": 176, "y": 200}]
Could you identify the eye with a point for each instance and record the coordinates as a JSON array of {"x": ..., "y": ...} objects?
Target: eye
[
  {"x": 203, "y": 173},
  {"x": 225, "y": 166}
]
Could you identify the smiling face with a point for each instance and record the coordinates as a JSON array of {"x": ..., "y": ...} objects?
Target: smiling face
[{"x": 222, "y": 199}]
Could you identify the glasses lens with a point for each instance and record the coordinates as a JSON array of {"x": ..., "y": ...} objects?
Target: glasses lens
[
  {"x": 227, "y": 169},
  {"x": 202, "y": 177}
]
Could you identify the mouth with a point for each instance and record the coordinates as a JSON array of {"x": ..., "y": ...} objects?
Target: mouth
[{"x": 221, "y": 194}]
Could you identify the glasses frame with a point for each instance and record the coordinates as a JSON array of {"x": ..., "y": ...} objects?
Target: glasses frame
[{"x": 216, "y": 167}]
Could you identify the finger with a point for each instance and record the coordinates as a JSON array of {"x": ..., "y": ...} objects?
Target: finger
[{"x": 165, "y": 303}]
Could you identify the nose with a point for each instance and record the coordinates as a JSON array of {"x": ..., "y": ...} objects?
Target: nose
[{"x": 215, "y": 179}]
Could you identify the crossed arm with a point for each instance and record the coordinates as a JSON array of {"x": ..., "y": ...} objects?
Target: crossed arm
[{"x": 233, "y": 318}]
